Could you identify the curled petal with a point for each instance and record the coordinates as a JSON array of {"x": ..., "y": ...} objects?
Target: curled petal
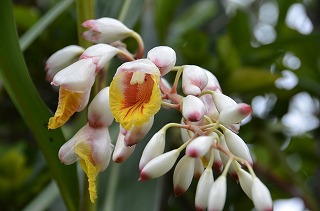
[
  {"x": 134, "y": 104},
  {"x": 194, "y": 80},
  {"x": 183, "y": 174},
  {"x": 154, "y": 148},
  {"x": 61, "y": 59},
  {"x": 163, "y": 57},
  {"x": 69, "y": 103},
  {"x": 159, "y": 165},
  {"x": 122, "y": 152},
  {"x": 193, "y": 108},
  {"x": 99, "y": 114},
  {"x": 105, "y": 30},
  {"x": 78, "y": 77}
]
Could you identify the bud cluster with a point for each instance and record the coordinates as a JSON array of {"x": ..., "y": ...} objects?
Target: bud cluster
[{"x": 210, "y": 120}]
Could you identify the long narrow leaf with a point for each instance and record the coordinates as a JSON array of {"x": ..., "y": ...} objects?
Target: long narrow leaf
[{"x": 18, "y": 84}]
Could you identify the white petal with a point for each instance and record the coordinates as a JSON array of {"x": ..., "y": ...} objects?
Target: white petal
[
  {"x": 99, "y": 114},
  {"x": 221, "y": 101},
  {"x": 143, "y": 65},
  {"x": 234, "y": 113},
  {"x": 194, "y": 80},
  {"x": 163, "y": 57},
  {"x": 183, "y": 174},
  {"x": 78, "y": 77},
  {"x": 245, "y": 180},
  {"x": 261, "y": 196}
]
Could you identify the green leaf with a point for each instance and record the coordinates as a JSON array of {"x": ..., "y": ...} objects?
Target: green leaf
[
  {"x": 250, "y": 79},
  {"x": 19, "y": 86},
  {"x": 196, "y": 15}
]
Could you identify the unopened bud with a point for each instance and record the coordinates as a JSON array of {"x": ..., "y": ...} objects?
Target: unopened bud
[
  {"x": 183, "y": 174},
  {"x": 193, "y": 108},
  {"x": 194, "y": 80}
]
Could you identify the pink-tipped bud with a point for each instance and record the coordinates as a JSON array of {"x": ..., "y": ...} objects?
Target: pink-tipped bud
[
  {"x": 222, "y": 101},
  {"x": 213, "y": 83},
  {"x": 160, "y": 165},
  {"x": 261, "y": 196},
  {"x": 203, "y": 189},
  {"x": 235, "y": 113},
  {"x": 198, "y": 168},
  {"x": 105, "y": 30},
  {"x": 154, "y": 148},
  {"x": 99, "y": 114},
  {"x": 163, "y": 57},
  {"x": 193, "y": 108},
  {"x": 121, "y": 151},
  {"x": 138, "y": 132},
  {"x": 183, "y": 174},
  {"x": 194, "y": 80},
  {"x": 217, "y": 194},
  {"x": 245, "y": 180},
  {"x": 100, "y": 53},
  {"x": 61, "y": 59},
  {"x": 217, "y": 162},
  {"x": 237, "y": 146},
  {"x": 199, "y": 146}
]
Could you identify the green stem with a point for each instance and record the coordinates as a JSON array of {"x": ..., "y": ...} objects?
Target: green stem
[{"x": 85, "y": 11}]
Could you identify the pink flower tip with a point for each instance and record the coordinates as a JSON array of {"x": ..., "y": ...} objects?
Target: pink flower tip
[
  {"x": 200, "y": 209},
  {"x": 218, "y": 167},
  {"x": 143, "y": 177},
  {"x": 245, "y": 109},
  {"x": 178, "y": 191},
  {"x": 192, "y": 153},
  {"x": 195, "y": 117}
]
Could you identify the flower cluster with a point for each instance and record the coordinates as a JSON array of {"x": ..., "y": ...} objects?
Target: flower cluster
[{"x": 209, "y": 123}]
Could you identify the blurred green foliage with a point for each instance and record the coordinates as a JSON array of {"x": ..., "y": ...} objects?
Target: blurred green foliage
[{"x": 202, "y": 33}]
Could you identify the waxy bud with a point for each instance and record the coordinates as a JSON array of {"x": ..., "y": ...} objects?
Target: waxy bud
[
  {"x": 154, "y": 148},
  {"x": 245, "y": 180},
  {"x": 163, "y": 57},
  {"x": 203, "y": 189},
  {"x": 234, "y": 113},
  {"x": 183, "y": 174},
  {"x": 213, "y": 83},
  {"x": 194, "y": 80},
  {"x": 138, "y": 132},
  {"x": 121, "y": 151},
  {"x": 217, "y": 195},
  {"x": 160, "y": 165},
  {"x": 261, "y": 196},
  {"x": 198, "y": 168},
  {"x": 222, "y": 101},
  {"x": 199, "y": 146},
  {"x": 105, "y": 30},
  {"x": 193, "y": 108}
]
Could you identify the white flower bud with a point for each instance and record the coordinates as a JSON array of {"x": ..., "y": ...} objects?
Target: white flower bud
[
  {"x": 237, "y": 146},
  {"x": 105, "y": 30},
  {"x": 99, "y": 114},
  {"x": 163, "y": 57},
  {"x": 61, "y": 59},
  {"x": 193, "y": 108},
  {"x": 245, "y": 180},
  {"x": 154, "y": 148},
  {"x": 203, "y": 189},
  {"x": 213, "y": 83},
  {"x": 138, "y": 132},
  {"x": 217, "y": 194},
  {"x": 222, "y": 101},
  {"x": 77, "y": 77},
  {"x": 199, "y": 146},
  {"x": 217, "y": 162},
  {"x": 122, "y": 152},
  {"x": 194, "y": 80},
  {"x": 261, "y": 196},
  {"x": 183, "y": 174},
  {"x": 160, "y": 165},
  {"x": 234, "y": 113}
]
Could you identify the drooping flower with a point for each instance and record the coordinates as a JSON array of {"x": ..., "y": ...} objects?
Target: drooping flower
[
  {"x": 61, "y": 59},
  {"x": 91, "y": 145},
  {"x": 75, "y": 83},
  {"x": 134, "y": 93}
]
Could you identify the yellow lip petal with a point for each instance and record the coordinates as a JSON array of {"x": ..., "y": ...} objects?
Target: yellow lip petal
[
  {"x": 88, "y": 165},
  {"x": 134, "y": 104},
  {"x": 68, "y": 104}
]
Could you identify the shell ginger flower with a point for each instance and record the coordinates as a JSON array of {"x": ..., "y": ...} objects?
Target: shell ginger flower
[{"x": 134, "y": 93}]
